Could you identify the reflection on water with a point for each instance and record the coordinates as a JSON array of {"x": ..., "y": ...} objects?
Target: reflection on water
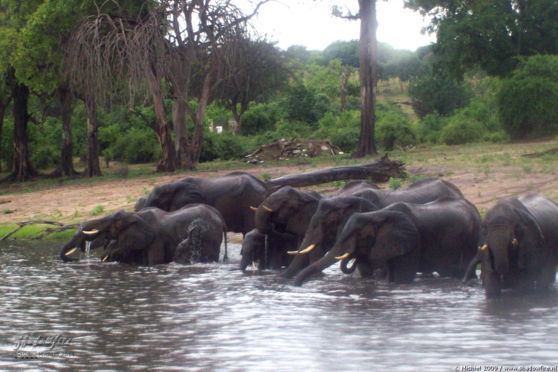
[{"x": 212, "y": 316}]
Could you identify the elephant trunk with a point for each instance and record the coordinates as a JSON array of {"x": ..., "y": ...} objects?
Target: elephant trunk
[
  {"x": 490, "y": 278},
  {"x": 263, "y": 218},
  {"x": 252, "y": 240},
  {"x": 470, "y": 272},
  {"x": 344, "y": 265},
  {"x": 498, "y": 246},
  {"x": 245, "y": 261},
  {"x": 323, "y": 263},
  {"x": 69, "y": 248}
]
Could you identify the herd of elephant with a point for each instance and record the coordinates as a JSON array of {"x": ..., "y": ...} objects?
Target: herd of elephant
[{"x": 428, "y": 227}]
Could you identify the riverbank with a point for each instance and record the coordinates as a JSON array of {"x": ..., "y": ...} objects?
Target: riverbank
[{"x": 483, "y": 172}]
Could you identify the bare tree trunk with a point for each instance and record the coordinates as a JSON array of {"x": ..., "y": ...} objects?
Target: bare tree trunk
[
  {"x": 67, "y": 154},
  {"x": 22, "y": 168},
  {"x": 180, "y": 130},
  {"x": 195, "y": 145},
  {"x": 93, "y": 168},
  {"x": 167, "y": 163},
  {"x": 367, "y": 55},
  {"x": 237, "y": 115}
]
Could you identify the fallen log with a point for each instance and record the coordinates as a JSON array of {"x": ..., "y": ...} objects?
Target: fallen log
[
  {"x": 542, "y": 153},
  {"x": 378, "y": 171}
]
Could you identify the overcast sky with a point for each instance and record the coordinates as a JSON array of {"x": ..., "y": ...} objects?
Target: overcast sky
[{"x": 310, "y": 23}]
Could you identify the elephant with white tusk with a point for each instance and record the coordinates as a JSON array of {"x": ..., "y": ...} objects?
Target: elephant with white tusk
[
  {"x": 334, "y": 211},
  {"x": 151, "y": 236},
  {"x": 440, "y": 236},
  {"x": 519, "y": 244}
]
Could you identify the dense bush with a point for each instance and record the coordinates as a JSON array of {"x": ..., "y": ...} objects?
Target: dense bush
[
  {"x": 527, "y": 101},
  {"x": 430, "y": 94},
  {"x": 343, "y": 130},
  {"x": 393, "y": 129},
  {"x": 461, "y": 129},
  {"x": 225, "y": 146},
  {"x": 429, "y": 128},
  {"x": 258, "y": 118},
  {"x": 137, "y": 145}
]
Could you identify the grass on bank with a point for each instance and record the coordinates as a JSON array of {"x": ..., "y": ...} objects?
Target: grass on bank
[
  {"x": 481, "y": 160},
  {"x": 32, "y": 231}
]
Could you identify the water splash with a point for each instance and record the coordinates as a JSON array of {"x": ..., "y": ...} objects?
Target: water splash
[
  {"x": 265, "y": 252},
  {"x": 87, "y": 248}
]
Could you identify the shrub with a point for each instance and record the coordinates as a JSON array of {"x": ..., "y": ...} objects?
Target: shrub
[
  {"x": 394, "y": 129},
  {"x": 258, "y": 118},
  {"x": 292, "y": 128},
  {"x": 527, "y": 100},
  {"x": 137, "y": 145},
  {"x": 230, "y": 146},
  {"x": 430, "y": 94},
  {"x": 45, "y": 157},
  {"x": 430, "y": 127},
  {"x": 461, "y": 130},
  {"x": 346, "y": 139}
]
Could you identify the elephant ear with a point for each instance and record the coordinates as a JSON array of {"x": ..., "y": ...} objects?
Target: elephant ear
[
  {"x": 396, "y": 235},
  {"x": 528, "y": 225},
  {"x": 137, "y": 235},
  {"x": 185, "y": 193},
  {"x": 531, "y": 252}
]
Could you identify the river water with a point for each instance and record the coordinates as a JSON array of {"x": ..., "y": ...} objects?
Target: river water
[{"x": 91, "y": 315}]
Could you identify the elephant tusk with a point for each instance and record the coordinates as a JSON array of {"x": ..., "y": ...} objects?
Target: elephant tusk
[
  {"x": 310, "y": 247},
  {"x": 91, "y": 232},
  {"x": 253, "y": 208},
  {"x": 267, "y": 208},
  {"x": 515, "y": 243},
  {"x": 70, "y": 251},
  {"x": 342, "y": 257},
  {"x": 292, "y": 253},
  {"x": 105, "y": 258},
  {"x": 484, "y": 247}
]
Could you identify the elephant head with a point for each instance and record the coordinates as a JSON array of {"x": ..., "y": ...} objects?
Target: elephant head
[
  {"x": 172, "y": 196},
  {"x": 286, "y": 210},
  {"x": 514, "y": 245},
  {"x": 324, "y": 227},
  {"x": 268, "y": 250},
  {"x": 380, "y": 236},
  {"x": 128, "y": 229}
]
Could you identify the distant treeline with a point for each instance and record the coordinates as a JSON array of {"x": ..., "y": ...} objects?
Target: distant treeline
[{"x": 78, "y": 76}]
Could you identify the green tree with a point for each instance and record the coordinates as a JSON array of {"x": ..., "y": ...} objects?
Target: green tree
[
  {"x": 527, "y": 99},
  {"x": 44, "y": 37},
  {"x": 437, "y": 94},
  {"x": 490, "y": 34},
  {"x": 14, "y": 16},
  {"x": 256, "y": 71}
]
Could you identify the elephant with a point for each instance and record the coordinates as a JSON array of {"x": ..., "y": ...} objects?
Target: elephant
[
  {"x": 519, "y": 246},
  {"x": 284, "y": 216},
  {"x": 319, "y": 239},
  {"x": 154, "y": 236},
  {"x": 419, "y": 192},
  {"x": 325, "y": 225},
  {"x": 232, "y": 195},
  {"x": 268, "y": 250},
  {"x": 281, "y": 219},
  {"x": 440, "y": 236}
]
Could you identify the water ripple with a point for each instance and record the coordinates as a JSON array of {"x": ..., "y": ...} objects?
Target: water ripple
[{"x": 212, "y": 316}]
